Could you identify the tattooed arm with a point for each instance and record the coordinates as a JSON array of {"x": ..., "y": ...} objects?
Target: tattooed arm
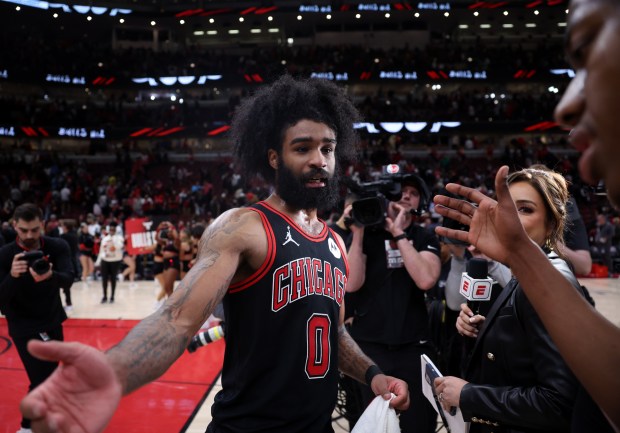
[
  {"x": 156, "y": 342},
  {"x": 81, "y": 395},
  {"x": 354, "y": 363}
]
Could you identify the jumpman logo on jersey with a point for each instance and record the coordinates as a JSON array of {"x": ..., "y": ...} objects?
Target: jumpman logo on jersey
[{"x": 289, "y": 238}]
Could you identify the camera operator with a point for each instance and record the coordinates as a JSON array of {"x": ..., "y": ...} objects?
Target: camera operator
[
  {"x": 391, "y": 265},
  {"x": 30, "y": 290}
]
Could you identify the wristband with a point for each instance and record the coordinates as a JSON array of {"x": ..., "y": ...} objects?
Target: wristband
[
  {"x": 372, "y": 371},
  {"x": 399, "y": 237}
]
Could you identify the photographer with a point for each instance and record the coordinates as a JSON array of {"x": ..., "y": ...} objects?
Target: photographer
[
  {"x": 391, "y": 265},
  {"x": 30, "y": 289}
]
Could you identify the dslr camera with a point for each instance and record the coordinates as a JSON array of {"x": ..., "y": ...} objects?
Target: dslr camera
[
  {"x": 371, "y": 208},
  {"x": 37, "y": 261}
]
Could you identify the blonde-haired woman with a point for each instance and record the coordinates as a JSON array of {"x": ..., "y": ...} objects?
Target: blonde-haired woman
[{"x": 515, "y": 378}]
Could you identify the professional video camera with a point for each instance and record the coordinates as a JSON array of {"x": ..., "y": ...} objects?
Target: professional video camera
[
  {"x": 371, "y": 208},
  {"x": 37, "y": 261}
]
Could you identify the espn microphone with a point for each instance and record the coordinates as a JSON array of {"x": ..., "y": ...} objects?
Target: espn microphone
[
  {"x": 475, "y": 283},
  {"x": 205, "y": 337}
]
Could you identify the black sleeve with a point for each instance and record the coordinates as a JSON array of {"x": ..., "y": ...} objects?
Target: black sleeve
[
  {"x": 60, "y": 257},
  {"x": 426, "y": 240},
  {"x": 576, "y": 235}
]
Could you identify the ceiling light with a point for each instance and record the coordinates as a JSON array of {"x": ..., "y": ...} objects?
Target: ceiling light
[
  {"x": 153, "y": 23},
  {"x": 233, "y": 32},
  {"x": 122, "y": 20},
  {"x": 55, "y": 15},
  {"x": 269, "y": 18},
  {"x": 530, "y": 25},
  {"x": 417, "y": 14},
  {"x": 536, "y": 12},
  {"x": 211, "y": 20},
  {"x": 290, "y": 41},
  {"x": 508, "y": 26},
  {"x": 298, "y": 17},
  {"x": 476, "y": 14},
  {"x": 358, "y": 16},
  {"x": 182, "y": 22},
  {"x": 255, "y": 30},
  {"x": 463, "y": 26},
  {"x": 240, "y": 19},
  {"x": 273, "y": 30},
  {"x": 328, "y": 16},
  {"x": 505, "y": 13},
  {"x": 485, "y": 26},
  {"x": 387, "y": 15},
  {"x": 561, "y": 24},
  {"x": 446, "y": 14},
  {"x": 17, "y": 8},
  {"x": 212, "y": 32},
  {"x": 88, "y": 18}
]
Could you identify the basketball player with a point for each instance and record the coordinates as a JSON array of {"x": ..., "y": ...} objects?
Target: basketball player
[
  {"x": 281, "y": 274},
  {"x": 589, "y": 343}
]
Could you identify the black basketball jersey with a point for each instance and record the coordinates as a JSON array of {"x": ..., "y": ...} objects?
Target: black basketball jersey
[{"x": 281, "y": 362}]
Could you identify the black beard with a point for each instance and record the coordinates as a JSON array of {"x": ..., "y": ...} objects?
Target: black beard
[{"x": 293, "y": 190}]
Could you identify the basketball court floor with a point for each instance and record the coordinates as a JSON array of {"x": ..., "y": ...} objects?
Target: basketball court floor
[{"x": 180, "y": 400}]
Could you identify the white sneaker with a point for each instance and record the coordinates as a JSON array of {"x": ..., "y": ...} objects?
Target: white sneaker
[
  {"x": 24, "y": 430},
  {"x": 69, "y": 309},
  {"x": 121, "y": 277}
]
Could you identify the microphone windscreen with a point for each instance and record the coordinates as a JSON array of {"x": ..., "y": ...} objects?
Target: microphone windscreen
[{"x": 477, "y": 268}]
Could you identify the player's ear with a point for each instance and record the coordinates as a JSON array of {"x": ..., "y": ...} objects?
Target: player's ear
[{"x": 272, "y": 156}]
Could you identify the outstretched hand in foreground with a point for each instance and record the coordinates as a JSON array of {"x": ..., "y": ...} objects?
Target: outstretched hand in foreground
[
  {"x": 494, "y": 226},
  {"x": 79, "y": 397}
]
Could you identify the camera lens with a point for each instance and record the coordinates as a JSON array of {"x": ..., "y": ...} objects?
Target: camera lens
[{"x": 40, "y": 266}]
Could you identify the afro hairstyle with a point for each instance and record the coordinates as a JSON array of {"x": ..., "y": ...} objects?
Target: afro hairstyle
[{"x": 260, "y": 122}]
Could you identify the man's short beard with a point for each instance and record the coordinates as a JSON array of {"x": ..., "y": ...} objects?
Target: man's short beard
[{"x": 295, "y": 193}]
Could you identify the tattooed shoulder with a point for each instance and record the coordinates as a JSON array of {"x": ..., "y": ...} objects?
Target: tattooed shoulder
[{"x": 231, "y": 229}]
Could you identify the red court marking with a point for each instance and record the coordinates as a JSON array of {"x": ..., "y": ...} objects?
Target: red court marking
[{"x": 163, "y": 406}]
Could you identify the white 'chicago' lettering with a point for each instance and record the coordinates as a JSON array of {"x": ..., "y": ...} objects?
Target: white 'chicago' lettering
[{"x": 304, "y": 277}]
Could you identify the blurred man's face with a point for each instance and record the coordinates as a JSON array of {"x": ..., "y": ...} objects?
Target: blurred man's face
[
  {"x": 591, "y": 103},
  {"x": 29, "y": 232}
]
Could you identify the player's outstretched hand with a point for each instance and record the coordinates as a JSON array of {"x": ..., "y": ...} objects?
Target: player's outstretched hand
[
  {"x": 79, "y": 397},
  {"x": 385, "y": 386},
  {"x": 494, "y": 226}
]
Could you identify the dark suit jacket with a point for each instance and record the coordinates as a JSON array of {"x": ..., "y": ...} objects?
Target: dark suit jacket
[{"x": 518, "y": 380}]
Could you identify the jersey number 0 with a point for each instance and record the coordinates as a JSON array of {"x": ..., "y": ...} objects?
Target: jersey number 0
[{"x": 319, "y": 350}]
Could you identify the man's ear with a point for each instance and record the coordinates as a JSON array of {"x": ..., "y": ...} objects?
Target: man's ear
[{"x": 273, "y": 156}]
